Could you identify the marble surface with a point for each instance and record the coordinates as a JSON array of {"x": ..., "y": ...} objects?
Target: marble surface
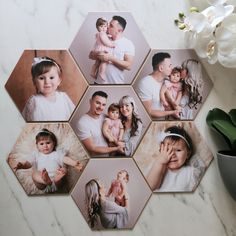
[{"x": 34, "y": 24}]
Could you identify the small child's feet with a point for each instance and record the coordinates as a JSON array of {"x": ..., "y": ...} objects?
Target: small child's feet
[
  {"x": 46, "y": 177},
  {"x": 60, "y": 173}
]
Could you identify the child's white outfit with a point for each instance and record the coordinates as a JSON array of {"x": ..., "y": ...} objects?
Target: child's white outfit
[
  {"x": 51, "y": 162},
  {"x": 114, "y": 126},
  {"x": 39, "y": 108},
  {"x": 179, "y": 180}
]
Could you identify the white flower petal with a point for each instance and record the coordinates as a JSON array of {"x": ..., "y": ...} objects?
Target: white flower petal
[
  {"x": 228, "y": 61},
  {"x": 195, "y": 22},
  {"x": 216, "y": 14},
  {"x": 230, "y": 23},
  {"x": 190, "y": 38},
  {"x": 225, "y": 40},
  {"x": 216, "y": 2}
]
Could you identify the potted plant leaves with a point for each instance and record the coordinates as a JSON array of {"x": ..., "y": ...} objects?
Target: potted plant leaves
[{"x": 225, "y": 124}]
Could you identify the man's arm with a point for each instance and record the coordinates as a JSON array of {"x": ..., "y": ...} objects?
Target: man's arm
[
  {"x": 121, "y": 64},
  {"x": 89, "y": 144},
  {"x": 158, "y": 113}
]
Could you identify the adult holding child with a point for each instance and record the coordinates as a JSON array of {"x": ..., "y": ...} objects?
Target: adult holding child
[
  {"x": 121, "y": 56},
  {"x": 149, "y": 87},
  {"x": 111, "y": 215}
]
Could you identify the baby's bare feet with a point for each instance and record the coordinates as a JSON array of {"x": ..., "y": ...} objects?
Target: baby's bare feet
[
  {"x": 46, "y": 177},
  {"x": 60, "y": 173}
]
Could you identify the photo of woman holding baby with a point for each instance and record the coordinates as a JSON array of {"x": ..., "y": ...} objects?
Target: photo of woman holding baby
[{"x": 112, "y": 200}]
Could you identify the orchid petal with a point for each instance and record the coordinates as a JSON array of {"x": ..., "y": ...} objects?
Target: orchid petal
[
  {"x": 231, "y": 2},
  {"x": 225, "y": 40},
  {"x": 190, "y": 38},
  {"x": 216, "y": 2},
  {"x": 230, "y": 23},
  {"x": 195, "y": 22},
  {"x": 228, "y": 61}
]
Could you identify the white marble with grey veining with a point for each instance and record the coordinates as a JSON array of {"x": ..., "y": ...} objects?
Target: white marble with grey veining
[{"x": 52, "y": 24}]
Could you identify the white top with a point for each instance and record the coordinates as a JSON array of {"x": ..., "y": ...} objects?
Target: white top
[
  {"x": 149, "y": 89},
  {"x": 89, "y": 127},
  {"x": 113, "y": 74},
  {"x": 51, "y": 162},
  {"x": 39, "y": 108},
  {"x": 179, "y": 181},
  {"x": 186, "y": 112}
]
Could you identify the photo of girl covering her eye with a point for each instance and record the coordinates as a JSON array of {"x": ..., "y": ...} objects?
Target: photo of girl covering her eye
[{"x": 177, "y": 160}]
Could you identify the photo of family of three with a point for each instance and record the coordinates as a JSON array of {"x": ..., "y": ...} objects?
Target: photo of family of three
[
  {"x": 109, "y": 124},
  {"x": 47, "y": 158},
  {"x": 111, "y": 200},
  {"x": 114, "y": 51},
  {"x": 172, "y": 85},
  {"x": 178, "y": 160}
]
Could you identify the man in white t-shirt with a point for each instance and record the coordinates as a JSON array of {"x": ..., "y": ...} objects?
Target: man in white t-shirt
[
  {"x": 120, "y": 58},
  {"x": 149, "y": 87},
  {"x": 89, "y": 127}
]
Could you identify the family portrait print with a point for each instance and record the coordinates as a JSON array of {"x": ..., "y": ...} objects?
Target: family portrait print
[
  {"x": 114, "y": 50},
  {"x": 173, "y": 84},
  {"x": 46, "y": 85},
  {"x": 176, "y": 159},
  {"x": 110, "y": 121},
  {"x": 47, "y": 158},
  {"x": 108, "y": 193}
]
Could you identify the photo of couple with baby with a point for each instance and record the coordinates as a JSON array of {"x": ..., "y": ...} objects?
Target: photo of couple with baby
[
  {"x": 172, "y": 85},
  {"x": 109, "y": 124},
  {"x": 108, "y": 193}
]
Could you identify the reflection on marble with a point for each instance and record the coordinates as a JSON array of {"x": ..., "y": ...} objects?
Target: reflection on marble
[{"x": 52, "y": 25}]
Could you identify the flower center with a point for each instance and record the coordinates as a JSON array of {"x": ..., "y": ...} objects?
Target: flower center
[{"x": 211, "y": 48}]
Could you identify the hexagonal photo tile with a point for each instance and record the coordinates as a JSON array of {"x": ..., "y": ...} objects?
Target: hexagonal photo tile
[
  {"x": 47, "y": 158},
  {"x": 46, "y": 85},
  {"x": 176, "y": 158},
  {"x": 173, "y": 84},
  {"x": 109, "y": 48},
  {"x": 110, "y": 120},
  {"x": 111, "y": 193}
]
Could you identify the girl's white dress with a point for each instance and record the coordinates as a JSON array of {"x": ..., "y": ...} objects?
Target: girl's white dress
[{"x": 38, "y": 108}]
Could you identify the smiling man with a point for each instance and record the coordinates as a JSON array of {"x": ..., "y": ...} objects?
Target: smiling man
[
  {"x": 89, "y": 127},
  {"x": 120, "y": 58}
]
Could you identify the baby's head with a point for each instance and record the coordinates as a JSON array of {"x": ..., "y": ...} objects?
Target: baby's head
[
  {"x": 101, "y": 25},
  {"x": 46, "y": 75},
  {"x": 123, "y": 175},
  {"x": 182, "y": 147},
  {"x": 114, "y": 111},
  {"x": 175, "y": 75},
  {"x": 46, "y": 141}
]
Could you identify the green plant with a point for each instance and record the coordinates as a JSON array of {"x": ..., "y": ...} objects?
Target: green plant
[{"x": 225, "y": 124}]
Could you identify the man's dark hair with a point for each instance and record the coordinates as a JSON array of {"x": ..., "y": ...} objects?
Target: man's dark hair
[
  {"x": 100, "y": 93},
  {"x": 158, "y": 58},
  {"x": 121, "y": 21}
]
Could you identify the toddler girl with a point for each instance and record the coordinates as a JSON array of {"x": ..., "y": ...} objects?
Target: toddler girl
[
  {"x": 171, "y": 91},
  {"x": 117, "y": 188},
  {"x": 102, "y": 44},
  {"x": 48, "y": 104},
  {"x": 112, "y": 128},
  {"x": 47, "y": 162},
  {"x": 169, "y": 171}
]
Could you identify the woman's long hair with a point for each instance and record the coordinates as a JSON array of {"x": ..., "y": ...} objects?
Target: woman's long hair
[
  {"x": 193, "y": 84},
  {"x": 93, "y": 201},
  {"x": 135, "y": 118}
]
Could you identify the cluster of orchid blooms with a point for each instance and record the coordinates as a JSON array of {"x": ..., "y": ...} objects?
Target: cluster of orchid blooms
[{"x": 212, "y": 32}]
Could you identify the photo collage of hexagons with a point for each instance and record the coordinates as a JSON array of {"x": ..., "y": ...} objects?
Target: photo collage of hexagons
[{"x": 109, "y": 121}]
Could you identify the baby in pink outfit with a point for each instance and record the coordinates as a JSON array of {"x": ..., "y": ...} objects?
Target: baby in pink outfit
[
  {"x": 102, "y": 44},
  {"x": 117, "y": 188}
]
